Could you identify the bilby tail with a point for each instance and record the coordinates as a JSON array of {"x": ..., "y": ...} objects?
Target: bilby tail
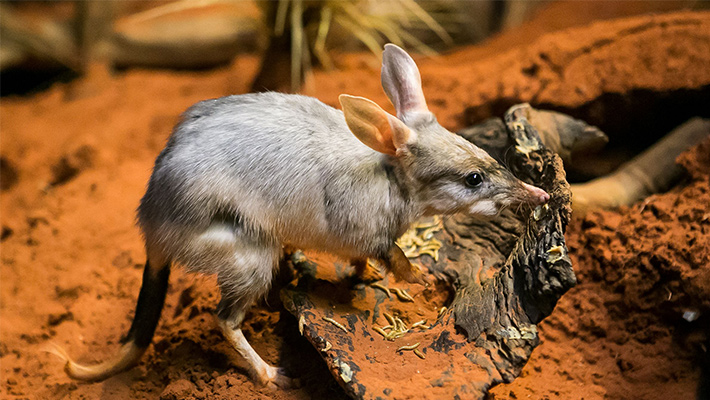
[{"x": 150, "y": 303}]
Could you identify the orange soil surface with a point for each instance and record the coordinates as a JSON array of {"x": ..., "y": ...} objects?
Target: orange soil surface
[{"x": 72, "y": 257}]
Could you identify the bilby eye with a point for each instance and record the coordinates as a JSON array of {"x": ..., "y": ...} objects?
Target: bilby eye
[{"x": 473, "y": 180}]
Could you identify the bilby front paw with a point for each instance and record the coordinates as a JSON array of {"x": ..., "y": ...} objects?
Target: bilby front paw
[
  {"x": 411, "y": 275},
  {"x": 367, "y": 271}
]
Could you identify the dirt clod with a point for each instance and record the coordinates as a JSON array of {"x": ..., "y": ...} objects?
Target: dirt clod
[
  {"x": 8, "y": 174},
  {"x": 69, "y": 166}
]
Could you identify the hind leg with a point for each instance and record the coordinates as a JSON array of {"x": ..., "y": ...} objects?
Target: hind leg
[
  {"x": 242, "y": 283},
  {"x": 260, "y": 370}
]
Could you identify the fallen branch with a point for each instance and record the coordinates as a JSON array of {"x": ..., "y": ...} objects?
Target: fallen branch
[
  {"x": 559, "y": 132},
  {"x": 650, "y": 172}
]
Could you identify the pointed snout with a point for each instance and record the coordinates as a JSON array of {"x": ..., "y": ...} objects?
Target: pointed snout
[{"x": 537, "y": 196}]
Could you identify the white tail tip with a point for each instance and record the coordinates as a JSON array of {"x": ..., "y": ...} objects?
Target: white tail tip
[{"x": 127, "y": 357}]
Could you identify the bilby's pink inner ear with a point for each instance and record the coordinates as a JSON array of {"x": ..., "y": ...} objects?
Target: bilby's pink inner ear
[
  {"x": 375, "y": 127},
  {"x": 402, "y": 82}
]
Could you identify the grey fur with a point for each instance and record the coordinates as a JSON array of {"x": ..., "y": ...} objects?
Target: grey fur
[{"x": 278, "y": 168}]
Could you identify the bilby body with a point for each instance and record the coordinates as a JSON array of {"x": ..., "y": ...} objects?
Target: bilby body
[
  {"x": 243, "y": 176},
  {"x": 281, "y": 168}
]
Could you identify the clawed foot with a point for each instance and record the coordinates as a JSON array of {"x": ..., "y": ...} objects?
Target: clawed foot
[
  {"x": 275, "y": 378},
  {"x": 366, "y": 272},
  {"x": 402, "y": 269},
  {"x": 413, "y": 275}
]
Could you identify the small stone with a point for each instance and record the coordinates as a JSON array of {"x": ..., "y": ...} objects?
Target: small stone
[
  {"x": 690, "y": 315},
  {"x": 178, "y": 390}
]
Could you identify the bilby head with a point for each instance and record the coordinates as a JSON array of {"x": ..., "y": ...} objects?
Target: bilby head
[{"x": 444, "y": 173}]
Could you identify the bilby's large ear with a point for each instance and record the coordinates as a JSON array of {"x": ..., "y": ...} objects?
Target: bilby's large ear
[
  {"x": 402, "y": 82},
  {"x": 374, "y": 126}
]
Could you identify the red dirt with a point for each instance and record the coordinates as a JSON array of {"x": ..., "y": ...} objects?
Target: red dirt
[
  {"x": 72, "y": 257},
  {"x": 376, "y": 361}
]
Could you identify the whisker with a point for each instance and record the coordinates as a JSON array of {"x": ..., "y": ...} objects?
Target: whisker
[
  {"x": 445, "y": 218},
  {"x": 504, "y": 159},
  {"x": 500, "y": 211}
]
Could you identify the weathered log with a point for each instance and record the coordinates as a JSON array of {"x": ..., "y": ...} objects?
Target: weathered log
[
  {"x": 650, "y": 172},
  {"x": 186, "y": 35},
  {"x": 505, "y": 275},
  {"x": 559, "y": 132}
]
